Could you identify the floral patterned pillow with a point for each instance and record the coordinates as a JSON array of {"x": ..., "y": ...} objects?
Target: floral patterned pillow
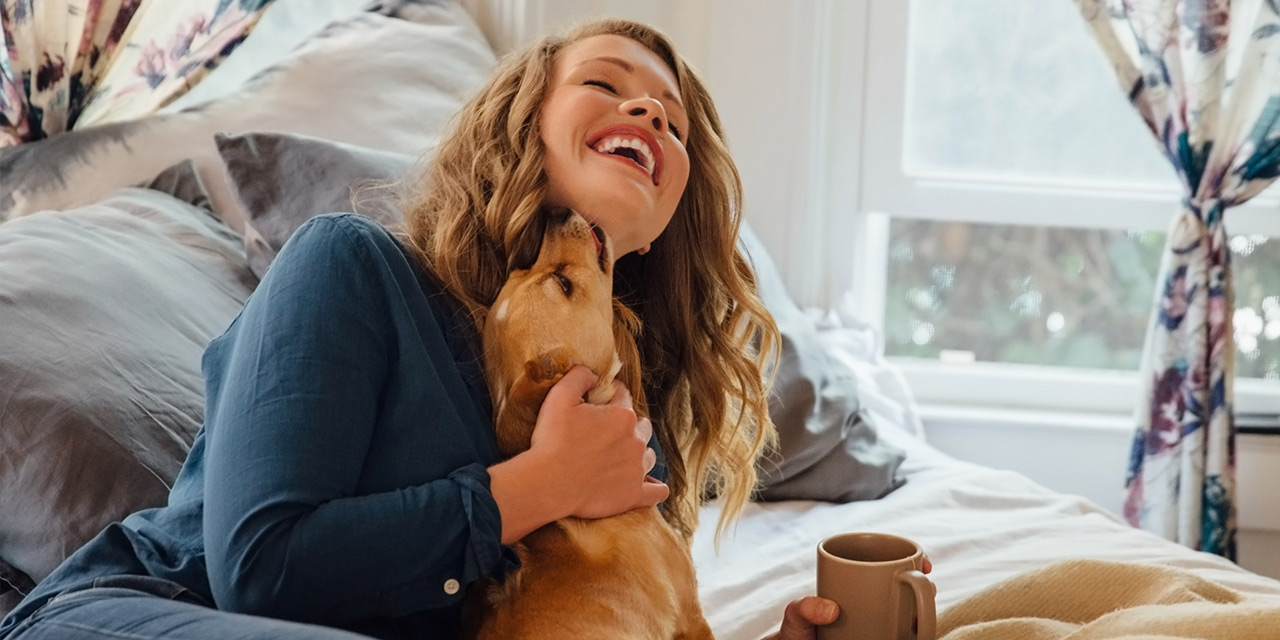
[{"x": 387, "y": 80}]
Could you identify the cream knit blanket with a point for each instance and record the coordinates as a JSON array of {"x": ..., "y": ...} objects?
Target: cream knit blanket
[{"x": 1091, "y": 600}]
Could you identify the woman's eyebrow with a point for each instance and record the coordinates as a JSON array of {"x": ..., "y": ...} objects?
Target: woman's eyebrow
[{"x": 626, "y": 66}]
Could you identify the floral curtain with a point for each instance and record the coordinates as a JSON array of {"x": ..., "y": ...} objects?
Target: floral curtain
[
  {"x": 1205, "y": 77},
  {"x": 74, "y": 63}
]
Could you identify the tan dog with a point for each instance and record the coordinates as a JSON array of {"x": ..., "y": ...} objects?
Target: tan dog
[{"x": 628, "y": 576}]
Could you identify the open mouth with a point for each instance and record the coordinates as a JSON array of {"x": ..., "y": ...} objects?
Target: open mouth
[
  {"x": 639, "y": 154},
  {"x": 632, "y": 145}
]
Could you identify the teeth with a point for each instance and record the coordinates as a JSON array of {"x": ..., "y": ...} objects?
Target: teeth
[{"x": 610, "y": 143}]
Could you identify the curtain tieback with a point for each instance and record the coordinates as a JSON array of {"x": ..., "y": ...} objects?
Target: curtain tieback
[{"x": 1207, "y": 210}]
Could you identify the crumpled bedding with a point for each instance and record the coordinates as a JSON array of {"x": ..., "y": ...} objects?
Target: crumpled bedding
[
  {"x": 980, "y": 527},
  {"x": 1080, "y": 599}
]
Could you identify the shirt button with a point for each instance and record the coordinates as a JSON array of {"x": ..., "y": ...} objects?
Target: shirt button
[{"x": 451, "y": 586}]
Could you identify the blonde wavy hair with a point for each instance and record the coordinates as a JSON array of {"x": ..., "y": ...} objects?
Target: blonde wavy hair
[{"x": 705, "y": 339}]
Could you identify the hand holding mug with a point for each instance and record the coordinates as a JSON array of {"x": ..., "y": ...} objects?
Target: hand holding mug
[{"x": 879, "y": 584}]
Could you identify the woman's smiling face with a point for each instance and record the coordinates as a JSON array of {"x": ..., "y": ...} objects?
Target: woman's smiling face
[{"x": 613, "y": 126}]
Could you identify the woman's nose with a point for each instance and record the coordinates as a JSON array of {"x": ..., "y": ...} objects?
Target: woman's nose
[{"x": 649, "y": 109}]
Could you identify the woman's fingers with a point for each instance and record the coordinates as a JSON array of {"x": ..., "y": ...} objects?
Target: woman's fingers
[
  {"x": 802, "y": 615},
  {"x": 599, "y": 453},
  {"x": 575, "y": 384},
  {"x": 652, "y": 492}
]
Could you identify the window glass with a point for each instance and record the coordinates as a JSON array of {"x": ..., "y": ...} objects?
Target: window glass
[
  {"x": 1055, "y": 296},
  {"x": 1019, "y": 89}
]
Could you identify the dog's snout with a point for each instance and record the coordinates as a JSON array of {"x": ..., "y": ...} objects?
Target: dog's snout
[{"x": 559, "y": 216}]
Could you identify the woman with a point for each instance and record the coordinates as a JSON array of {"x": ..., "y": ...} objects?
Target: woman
[{"x": 346, "y": 482}]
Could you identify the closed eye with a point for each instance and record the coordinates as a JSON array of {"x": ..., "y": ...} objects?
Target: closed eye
[
  {"x": 566, "y": 285},
  {"x": 675, "y": 131}
]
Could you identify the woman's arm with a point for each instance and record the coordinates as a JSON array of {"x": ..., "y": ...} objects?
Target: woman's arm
[
  {"x": 294, "y": 391},
  {"x": 294, "y": 388}
]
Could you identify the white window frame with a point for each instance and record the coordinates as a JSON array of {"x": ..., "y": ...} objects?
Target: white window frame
[{"x": 887, "y": 189}]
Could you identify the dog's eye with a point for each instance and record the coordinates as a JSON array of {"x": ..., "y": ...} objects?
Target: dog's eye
[{"x": 566, "y": 284}]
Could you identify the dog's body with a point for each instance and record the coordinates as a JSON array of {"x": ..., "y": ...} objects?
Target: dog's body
[{"x": 628, "y": 576}]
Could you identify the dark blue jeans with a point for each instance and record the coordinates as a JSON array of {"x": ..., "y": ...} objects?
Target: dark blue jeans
[{"x": 146, "y": 608}]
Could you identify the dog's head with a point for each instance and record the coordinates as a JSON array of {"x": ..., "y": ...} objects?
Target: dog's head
[{"x": 555, "y": 311}]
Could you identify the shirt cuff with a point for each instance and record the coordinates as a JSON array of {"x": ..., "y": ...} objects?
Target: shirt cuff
[{"x": 485, "y": 555}]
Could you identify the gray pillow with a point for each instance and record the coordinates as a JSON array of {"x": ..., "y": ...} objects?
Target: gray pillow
[
  {"x": 828, "y": 450},
  {"x": 283, "y": 180},
  {"x": 183, "y": 182},
  {"x": 106, "y": 312},
  {"x": 14, "y": 586}
]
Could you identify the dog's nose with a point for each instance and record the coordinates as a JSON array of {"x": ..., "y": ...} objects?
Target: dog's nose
[{"x": 559, "y": 216}]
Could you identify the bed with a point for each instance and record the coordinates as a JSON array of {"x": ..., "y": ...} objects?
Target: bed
[{"x": 125, "y": 247}]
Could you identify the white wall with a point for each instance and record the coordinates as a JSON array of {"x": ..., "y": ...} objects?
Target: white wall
[
  {"x": 1257, "y": 475},
  {"x": 510, "y": 24},
  {"x": 1082, "y": 454}
]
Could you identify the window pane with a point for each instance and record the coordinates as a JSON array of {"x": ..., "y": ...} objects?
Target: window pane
[
  {"x": 1018, "y": 88},
  {"x": 1255, "y": 262},
  {"x": 1055, "y": 296}
]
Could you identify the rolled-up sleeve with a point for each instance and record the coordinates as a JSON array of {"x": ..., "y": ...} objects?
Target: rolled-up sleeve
[{"x": 295, "y": 392}]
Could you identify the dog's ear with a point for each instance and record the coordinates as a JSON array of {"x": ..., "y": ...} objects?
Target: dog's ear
[
  {"x": 528, "y": 393},
  {"x": 626, "y": 326},
  {"x": 540, "y": 374},
  {"x": 550, "y": 365}
]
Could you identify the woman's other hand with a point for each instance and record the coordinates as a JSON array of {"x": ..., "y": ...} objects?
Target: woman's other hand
[{"x": 804, "y": 615}]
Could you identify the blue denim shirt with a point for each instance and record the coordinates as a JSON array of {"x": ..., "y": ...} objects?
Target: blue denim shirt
[{"x": 340, "y": 476}]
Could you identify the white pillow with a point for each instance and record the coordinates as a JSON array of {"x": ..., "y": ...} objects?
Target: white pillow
[{"x": 389, "y": 83}]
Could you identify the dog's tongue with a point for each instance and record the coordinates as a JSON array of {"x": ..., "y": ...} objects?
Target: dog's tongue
[{"x": 596, "y": 235}]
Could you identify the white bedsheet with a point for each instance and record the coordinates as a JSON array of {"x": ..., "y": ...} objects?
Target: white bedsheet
[{"x": 978, "y": 525}]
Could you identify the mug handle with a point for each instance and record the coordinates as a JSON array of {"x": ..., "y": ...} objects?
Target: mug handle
[{"x": 926, "y": 614}]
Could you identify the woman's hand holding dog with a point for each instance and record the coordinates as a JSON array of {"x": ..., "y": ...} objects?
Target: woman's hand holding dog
[
  {"x": 584, "y": 460},
  {"x": 600, "y": 452}
]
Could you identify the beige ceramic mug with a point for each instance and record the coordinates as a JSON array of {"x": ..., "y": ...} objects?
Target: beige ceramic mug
[{"x": 876, "y": 579}]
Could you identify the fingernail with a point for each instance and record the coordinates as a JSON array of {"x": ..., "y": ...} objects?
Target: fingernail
[{"x": 829, "y": 610}]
